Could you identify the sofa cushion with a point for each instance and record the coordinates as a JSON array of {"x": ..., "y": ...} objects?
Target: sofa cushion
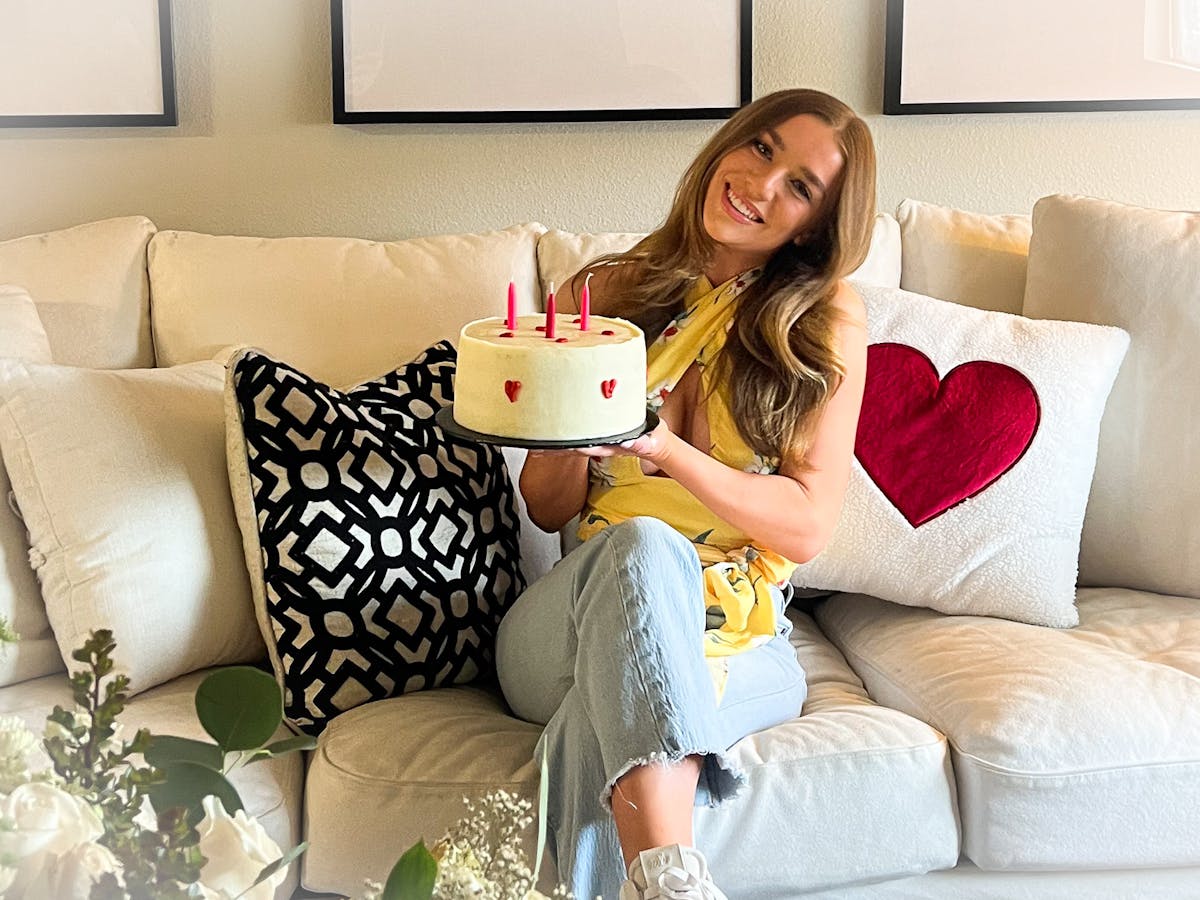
[
  {"x": 1073, "y": 749},
  {"x": 852, "y": 790},
  {"x": 970, "y": 258},
  {"x": 270, "y": 789},
  {"x": 973, "y": 458},
  {"x": 382, "y": 553},
  {"x": 120, "y": 476},
  {"x": 91, "y": 289},
  {"x": 1096, "y": 261},
  {"x": 341, "y": 309},
  {"x": 560, "y": 254},
  {"x": 35, "y": 654}
]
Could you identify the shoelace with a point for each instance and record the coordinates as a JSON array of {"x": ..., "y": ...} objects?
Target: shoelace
[{"x": 676, "y": 884}]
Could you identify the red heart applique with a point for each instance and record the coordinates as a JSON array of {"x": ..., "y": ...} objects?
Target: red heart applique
[
  {"x": 512, "y": 388},
  {"x": 930, "y": 444},
  {"x": 607, "y": 387}
]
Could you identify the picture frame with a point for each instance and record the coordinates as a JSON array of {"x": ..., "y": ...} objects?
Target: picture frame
[
  {"x": 539, "y": 60},
  {"x": 947, "y": 56},
  {"x": 82, "y": 63}
]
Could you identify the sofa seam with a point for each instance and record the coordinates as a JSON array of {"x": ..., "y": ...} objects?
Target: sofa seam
[
  {"x": 1075, "y": 773},
  {"x": 883, "y": 751},
  {"x": 925, "y": 715}
]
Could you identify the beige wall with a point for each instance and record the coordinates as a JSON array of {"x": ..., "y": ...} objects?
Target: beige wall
[{"x": 256, "y": 153}]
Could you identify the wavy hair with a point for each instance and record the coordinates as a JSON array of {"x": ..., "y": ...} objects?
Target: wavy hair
[{"x": 779, "y": 366}]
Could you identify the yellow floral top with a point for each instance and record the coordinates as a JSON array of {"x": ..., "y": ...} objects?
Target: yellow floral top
[{"x": 738, "y": 574}]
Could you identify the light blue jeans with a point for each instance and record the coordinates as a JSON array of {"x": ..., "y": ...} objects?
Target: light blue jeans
[{"x": 606, "y": 651}]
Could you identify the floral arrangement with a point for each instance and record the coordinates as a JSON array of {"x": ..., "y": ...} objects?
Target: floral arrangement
[
  {"x": 480, "y": 857},
  {"x": 102, "y": 825}
]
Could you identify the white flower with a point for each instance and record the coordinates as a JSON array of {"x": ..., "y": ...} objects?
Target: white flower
[
  {"x": 236, "y": 848},
  {"x": 46, "y": 821},
  {"x": 16, "y": 741},
  {"x": 73, "y": 873}
]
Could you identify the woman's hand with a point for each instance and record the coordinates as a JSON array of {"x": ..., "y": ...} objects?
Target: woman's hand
[{"x": 654, "y": 446}]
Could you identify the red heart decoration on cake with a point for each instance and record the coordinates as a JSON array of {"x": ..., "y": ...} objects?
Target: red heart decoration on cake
[
  {"x": 512, "y": 388},
  {"x": 931, "y": 443},
  {"x": 607, "y": 387}
]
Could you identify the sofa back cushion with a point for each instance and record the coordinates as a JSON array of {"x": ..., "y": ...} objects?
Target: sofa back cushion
[
  {"x": 970, "y": 258},
  {"x": 1098, "y": 261},
  {"x": 121, "y": 479},
  {"x": 91, "y": 290},
  {"x": 344, "y": 310},
  {"x": 561, "y": 254},
  {"x": 21, "y": 607}
]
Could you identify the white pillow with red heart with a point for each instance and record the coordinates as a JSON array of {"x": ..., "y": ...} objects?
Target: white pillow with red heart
[{"x": 973, "y": 461}]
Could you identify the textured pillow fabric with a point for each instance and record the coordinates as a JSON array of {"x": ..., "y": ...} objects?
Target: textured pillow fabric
[
  {"x": 974, "y": 454},
  {"x": 35, "y": 654},
  {"x": 91, "y": 289},
  {"x": 120, "y": 476},
  {"x": 1139, "y": 269},
  {"x": 970, "y": 258},
  {"x": 382, "y": 553}
]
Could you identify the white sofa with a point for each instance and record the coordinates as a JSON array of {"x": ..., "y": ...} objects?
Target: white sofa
[{"x": 936, "y": 756}]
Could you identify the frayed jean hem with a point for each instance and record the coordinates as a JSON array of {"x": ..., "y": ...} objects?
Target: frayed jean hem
[{"x": 720, "y": 779}]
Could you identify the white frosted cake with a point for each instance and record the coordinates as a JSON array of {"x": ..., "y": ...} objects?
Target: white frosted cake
[{"x": 575, "y": 386}]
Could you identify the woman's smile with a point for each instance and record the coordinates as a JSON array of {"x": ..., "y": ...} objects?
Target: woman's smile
[{"x": 740, "y": 210}]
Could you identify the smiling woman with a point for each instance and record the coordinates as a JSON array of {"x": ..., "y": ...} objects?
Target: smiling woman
[{"x": 756, "y": 366}]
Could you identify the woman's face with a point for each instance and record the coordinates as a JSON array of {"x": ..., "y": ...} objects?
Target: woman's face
[{"x": 769, "y": 191}]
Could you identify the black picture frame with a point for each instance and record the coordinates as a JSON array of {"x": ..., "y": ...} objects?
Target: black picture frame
[
  {"x": 344, "y": 116},
  {"x": 895, "y": 105},
  {"x": 167, "y": 117}
]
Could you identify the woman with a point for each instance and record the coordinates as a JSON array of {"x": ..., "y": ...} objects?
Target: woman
[{"x": 660, "y": 641}]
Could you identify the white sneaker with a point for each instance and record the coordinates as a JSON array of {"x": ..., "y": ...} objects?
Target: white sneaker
[{"x": 674, "y": 872}]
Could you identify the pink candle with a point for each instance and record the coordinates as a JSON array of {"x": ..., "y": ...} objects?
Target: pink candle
[
  {"x": 550, "y": 312},
  {"x": 585, "y": 303},
  {"x": 511, "y": 321}
]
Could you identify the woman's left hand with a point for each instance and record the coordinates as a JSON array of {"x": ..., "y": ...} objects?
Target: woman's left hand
[{"x": 654, "y": 446}]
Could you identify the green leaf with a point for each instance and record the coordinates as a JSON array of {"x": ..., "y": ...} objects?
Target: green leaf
[
  {"x": 188, "y": 783},
  {"x": 282, "y": 863},
  {"x": 413, "y": 876},
  {"x": 240, "y": 707},
  {"x": 284, "y": 747},
  {"x": 165, "y": 749}
]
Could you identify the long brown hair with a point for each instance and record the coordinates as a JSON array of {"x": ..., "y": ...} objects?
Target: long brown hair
[{"x": 780, "y": 365}]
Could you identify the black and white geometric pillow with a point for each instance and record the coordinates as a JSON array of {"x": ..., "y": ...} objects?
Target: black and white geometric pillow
[{"x": 382, "y": 552}]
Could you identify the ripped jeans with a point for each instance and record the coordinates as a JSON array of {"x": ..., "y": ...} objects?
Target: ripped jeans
[{"x": 606, "y": 651}]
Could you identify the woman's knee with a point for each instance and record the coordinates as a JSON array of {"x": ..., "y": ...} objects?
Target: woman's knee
[{"x": 649, "y": 540}]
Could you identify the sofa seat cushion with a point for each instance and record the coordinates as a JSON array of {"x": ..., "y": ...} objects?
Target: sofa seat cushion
[
  {"x": 270, "y": 789},
  {"x": 854, "y": 790},
  {"x": 1065, "y": 742}
]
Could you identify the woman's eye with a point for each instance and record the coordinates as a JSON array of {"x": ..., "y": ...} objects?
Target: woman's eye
[
  {"x": 802, "y": 189},
  {"x": 762, "y": 148}
]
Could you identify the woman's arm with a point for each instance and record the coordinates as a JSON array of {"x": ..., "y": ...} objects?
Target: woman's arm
[
  {"x": 554, "y": 484},
  {"x": 795, "y": 511}
]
